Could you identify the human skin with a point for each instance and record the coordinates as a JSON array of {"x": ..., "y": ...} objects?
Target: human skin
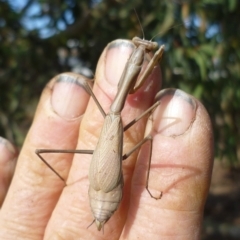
[{"x": 38, "y": 204}]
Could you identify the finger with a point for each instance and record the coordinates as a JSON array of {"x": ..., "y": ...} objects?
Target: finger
[
  {"x": 181, "y": 169},
  {"x": 73, "y": 214},
  {"x": 35, "y": 189},
  {"x": 8, "y": 157}
]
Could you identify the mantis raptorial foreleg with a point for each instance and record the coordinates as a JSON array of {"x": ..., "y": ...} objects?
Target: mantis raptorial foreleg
[{"x": 105, "y": 173}]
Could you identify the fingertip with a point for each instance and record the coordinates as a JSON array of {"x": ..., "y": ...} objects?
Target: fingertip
[
  {"x": 111, "y": 67},
  {"x": 176, "y": 112},
  {"x": 69, "y": 95},
  {"x": 59, "y": 112},
  {"x": 183, "y": 139},
  {"x": 8, "y": 151},
  {"x": 117, "y": 54},
  {"x": 8, "y": 159}
]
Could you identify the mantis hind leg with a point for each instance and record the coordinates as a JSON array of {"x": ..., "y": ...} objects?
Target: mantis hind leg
[
  {"x": 40, "y": 151},
  {"x": 125, "y": 156}
]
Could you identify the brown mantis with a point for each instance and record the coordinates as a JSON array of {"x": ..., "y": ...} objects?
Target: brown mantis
[{"x": 105, "y": 173}]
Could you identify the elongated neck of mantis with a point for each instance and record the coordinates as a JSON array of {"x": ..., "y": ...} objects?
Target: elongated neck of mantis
[{"x": 123, "y": 91}]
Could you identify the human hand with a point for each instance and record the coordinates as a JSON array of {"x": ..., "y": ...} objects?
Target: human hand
[{"x": 38, "y": 205}]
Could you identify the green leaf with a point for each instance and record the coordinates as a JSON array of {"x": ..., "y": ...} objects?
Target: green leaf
[{"x": 232, "y": 5}]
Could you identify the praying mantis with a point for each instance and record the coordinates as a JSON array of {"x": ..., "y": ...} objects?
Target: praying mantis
[{"x": 105, "y": 173}]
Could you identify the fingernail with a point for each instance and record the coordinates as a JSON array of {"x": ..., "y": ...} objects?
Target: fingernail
[
  {"x": 175, "y": 114},
  {"x": 69, "y": 98},
  {"x": 7, "y": 150},
  {"x": 118, "y": 52}
]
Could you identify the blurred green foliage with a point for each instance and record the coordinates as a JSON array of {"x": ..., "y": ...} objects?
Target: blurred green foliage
[{"x": 202, "y": 57}]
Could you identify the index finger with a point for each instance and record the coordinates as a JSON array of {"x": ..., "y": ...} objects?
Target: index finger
[{"x": 35, "y": 189}]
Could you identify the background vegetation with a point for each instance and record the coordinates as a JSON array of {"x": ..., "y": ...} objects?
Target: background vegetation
[{"x": 39, "y": 39}]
